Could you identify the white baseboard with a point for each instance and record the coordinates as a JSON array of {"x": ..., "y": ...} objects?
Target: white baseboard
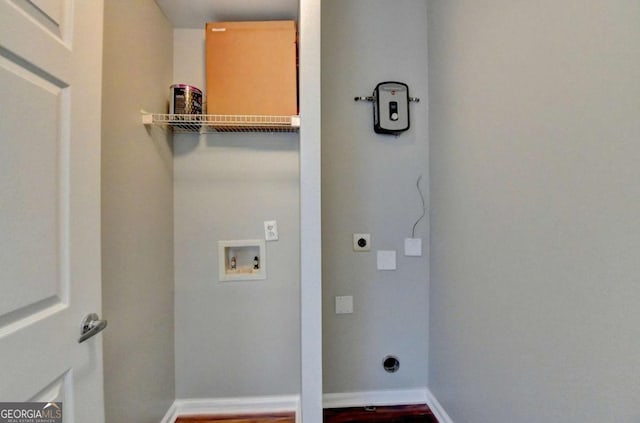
[
  {"x": 364, "y": 398},
  {"x": 240, "y": 405},
  {"x": 389, "y": 397},
  {"x": 171, "y": 415},
  {"x": 437, "y": 409}
]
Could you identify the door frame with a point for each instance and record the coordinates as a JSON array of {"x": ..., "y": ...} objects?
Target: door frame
[{"x": 310, "y": 213}]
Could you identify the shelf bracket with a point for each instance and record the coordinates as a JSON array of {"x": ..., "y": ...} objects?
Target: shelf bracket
[{"x": 147, "y": 118}]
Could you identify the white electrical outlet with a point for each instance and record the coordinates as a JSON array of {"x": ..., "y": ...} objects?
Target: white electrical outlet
[
  {"x": 344, "y": 304},
  {"x": 361, "y": 242},
  {"x": 270, "y": 230}
]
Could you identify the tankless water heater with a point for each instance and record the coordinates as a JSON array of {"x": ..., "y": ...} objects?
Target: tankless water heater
[{"x": 391, "y": 108}]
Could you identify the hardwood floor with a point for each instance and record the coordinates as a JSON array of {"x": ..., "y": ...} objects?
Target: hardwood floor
[
  {"x": 240, "y": 418},
  {"x": 419, "y": 413}
]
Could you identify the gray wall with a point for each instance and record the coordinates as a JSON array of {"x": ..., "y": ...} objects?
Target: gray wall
[
  {"x": 234, "y": 338},
  {"x": 137, "y": 215},
  {"x": 535, "y": 202},
  {"x": 369, "y": 185}
]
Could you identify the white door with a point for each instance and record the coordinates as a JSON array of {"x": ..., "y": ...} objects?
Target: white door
[{"x": 50, "y": 82}]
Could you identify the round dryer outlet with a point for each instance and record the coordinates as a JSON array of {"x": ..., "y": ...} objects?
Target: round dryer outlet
[{"x": 361, "y": 242}]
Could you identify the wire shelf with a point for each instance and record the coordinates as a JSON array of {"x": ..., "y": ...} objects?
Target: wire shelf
[{"x": 223, "y": 123}]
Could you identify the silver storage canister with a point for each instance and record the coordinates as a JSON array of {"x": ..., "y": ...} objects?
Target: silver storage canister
[{"x": 185, "y": 99}]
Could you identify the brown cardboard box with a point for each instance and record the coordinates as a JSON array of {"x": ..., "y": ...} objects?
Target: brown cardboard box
[{"x": 251, "y": 68}]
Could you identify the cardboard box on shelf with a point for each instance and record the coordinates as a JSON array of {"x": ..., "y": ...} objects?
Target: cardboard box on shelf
[{"x": 251, "y": 68}]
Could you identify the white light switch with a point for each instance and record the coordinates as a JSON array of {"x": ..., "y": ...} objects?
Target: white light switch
[
  {"x": 387, "y": 260},
  {"x": 344, "y": 305},
  {"x": 270, "y": 230}
]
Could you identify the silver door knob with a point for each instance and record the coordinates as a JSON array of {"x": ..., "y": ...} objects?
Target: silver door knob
[{"x": 91, "y": 325}]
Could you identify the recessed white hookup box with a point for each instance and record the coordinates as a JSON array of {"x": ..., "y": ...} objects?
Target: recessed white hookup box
[
  {"x": 242, "y": 260},
  {"x": 413, "y": 247},
  {"x": 386, "y": 260}
]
